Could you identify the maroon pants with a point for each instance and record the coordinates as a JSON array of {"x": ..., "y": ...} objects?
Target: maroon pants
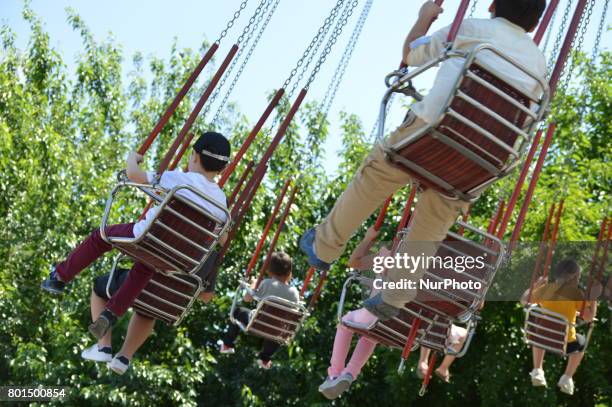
[{"x": 94, "y": 247}]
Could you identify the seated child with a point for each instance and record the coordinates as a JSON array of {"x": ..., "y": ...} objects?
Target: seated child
[
  {"x": 563, "y": 297},
  {"x": 340, "y": 376},
  {"x": 458, "y": 336},
  {"x": 210, "y": 156},
  {"x": 277, "y": 285},
  {"x": 140, "y": 326}
]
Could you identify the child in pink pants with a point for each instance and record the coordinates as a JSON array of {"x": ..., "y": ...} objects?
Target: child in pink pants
[{"x": 339, "y": 375}]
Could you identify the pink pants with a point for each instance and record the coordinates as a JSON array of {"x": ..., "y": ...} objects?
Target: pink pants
[
  {"x": 94, "y": 247},
  {"x": 364, "y": 349}
]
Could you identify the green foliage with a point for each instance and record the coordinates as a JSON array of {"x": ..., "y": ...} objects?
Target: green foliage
[{"x": 63, "y": 136}]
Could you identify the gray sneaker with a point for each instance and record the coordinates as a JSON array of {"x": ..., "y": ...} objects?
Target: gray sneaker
[{"x": 333, "y": 388}]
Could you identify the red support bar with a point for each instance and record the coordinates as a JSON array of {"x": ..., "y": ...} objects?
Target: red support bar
[
  {"x": 594, "y": 259},
  {"x": 519, "y": 185},
  {"x": 279, "y": 229},
  {"x": 262, "y": 239},
  {"x": 247, "y": 142},
  {"x": 250, "y": 188},
  {"x": 307, "y": 279},
  {"x": 553, "y": 239},
  {"x": 534, "y": 180},
  {"x": 567, "y": 45},
  {"x": 318, "y": 289},
  {"x": 463, "y": 7},
  {"x": 544, "y": 23},
  {"x": 177, "y": 99},
  {"x": 439, "y": 3},
  {"x": 411, "y": 337},
  {"x": 430, "y": 368},
  {"x": 240, "y": 182},
  {"x": 276, "y": 140},
  {"x": 407, "y": 210},
  {"x": 383, "y": 212},
  {"x": 238, "y": 215},
  {"x": 542, "y": 249},
  {"x": 496, "y": 217},
  {"x": 196, "y": 110}
]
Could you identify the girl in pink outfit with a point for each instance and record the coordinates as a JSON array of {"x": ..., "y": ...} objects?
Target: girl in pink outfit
[{"x": 340, "y": 376}]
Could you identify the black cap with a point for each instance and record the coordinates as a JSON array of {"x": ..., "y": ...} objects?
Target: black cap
[{"x": 213, "y": 145}]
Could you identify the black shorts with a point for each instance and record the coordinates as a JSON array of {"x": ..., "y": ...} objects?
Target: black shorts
[
  {"x": 208, "y": 274},
  {"x": 576, "y": 346}
]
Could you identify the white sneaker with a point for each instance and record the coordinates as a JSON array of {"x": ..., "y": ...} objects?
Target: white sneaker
[
  {"x": 537, "y": 378},
  {"x": 119, "y": 364},
  {"x": 227, "y": 350},
  {"x": 264, "y": 365},
  {"x": 333, "y": 388},
  {"x": 566, "y": 385},
  {"x": 98, "y": 354}
]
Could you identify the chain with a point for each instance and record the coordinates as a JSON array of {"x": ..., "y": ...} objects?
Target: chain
[
  {"x": 600, "y": 29},
  {"x": 557, "y": 45},
  {"x": 550, "y": 30},
  {"x": 577, "y": 45},
  {"x": 473, "y": 8},
  {"x": 267, "y": 12},
  {"x": 330, "y": 94},
  {"x": 323, "y": 29},
  {"x": 328, "y": 47},
  {"x": 231, "y": 22}
]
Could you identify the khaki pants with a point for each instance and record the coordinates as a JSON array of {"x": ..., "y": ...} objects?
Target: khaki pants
[{"x": 374, "y": 182}]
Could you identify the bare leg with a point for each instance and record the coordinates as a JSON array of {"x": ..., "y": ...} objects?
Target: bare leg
[
  {"x": 97, "y": 305},
  {"x": 573, "y": 361},
  {"x": 138, "y": 331},
  {"x": 423, "y": 359},
  {"x": 538, "y": 357}
]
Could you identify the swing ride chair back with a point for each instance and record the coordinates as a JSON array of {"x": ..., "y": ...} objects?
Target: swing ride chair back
[
  {"x": 437, "y": 309},
  {"x": 274, "y": 318},
  {"x": 548, "y": 330},
  {"x": 181, "y": 235},
  {"x": 484, "y": 128},
  {"x": 167, "y": 297}
]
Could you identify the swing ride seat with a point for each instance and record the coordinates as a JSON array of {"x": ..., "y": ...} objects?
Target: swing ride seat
[
  {"x": 438, "y": 337},
  {"x": 483, "y": 129},
  {"x": 546, "y": 329},
  {"x": 467, "y": 287},
  {"x": 167, "y": 297},
  {"x": 274, "y": 318},
  {"x": 181, "y": 234}
]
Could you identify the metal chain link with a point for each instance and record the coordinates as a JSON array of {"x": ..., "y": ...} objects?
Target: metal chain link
[
  {"x": 263, "y": 27},
  {"x": 602, "y": 23},
  {"x": 550, "y": 30},
  {"x": 577, "y": 45},
  {"x": 332, "y": 89},
  {"x": 332, "y": 41},
  {"x": 552, "y": 58},
  {"x": 249, "y": 31},
  {"x": 324, "y": 28},
  {"x": 473, "y": 9},
  {"x": 231, "y": 22}
]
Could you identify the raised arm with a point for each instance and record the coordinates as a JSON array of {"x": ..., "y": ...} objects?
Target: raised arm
[
  {"x": 133, "y": 170},
  {"x": 428, "y": 13},
  {"x": 363, "y": 249}
]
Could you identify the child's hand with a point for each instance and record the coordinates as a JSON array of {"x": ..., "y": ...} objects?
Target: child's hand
[
  {"x": 371, "y": 234},
  {"x": 430, "y": 10},
  {"x": 135, "y": 157}
]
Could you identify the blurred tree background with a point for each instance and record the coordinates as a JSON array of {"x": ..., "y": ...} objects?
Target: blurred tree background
[{"x": 64, "y": 135}]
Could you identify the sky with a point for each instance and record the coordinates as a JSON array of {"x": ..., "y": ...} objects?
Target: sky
[{"x": 150, "y": 27}]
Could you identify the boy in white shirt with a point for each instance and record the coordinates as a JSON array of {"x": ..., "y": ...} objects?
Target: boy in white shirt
[
  {"x": 210, "y": 156},
  {"x": 378, "y": 178}
]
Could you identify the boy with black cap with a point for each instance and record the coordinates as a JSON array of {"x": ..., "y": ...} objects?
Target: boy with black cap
[{"x": 210, "y": 156}]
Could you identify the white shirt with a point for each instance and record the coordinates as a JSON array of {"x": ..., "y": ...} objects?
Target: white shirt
[
  {"x": 507, "y": 37},
  {"x": 170, "y": 179}
]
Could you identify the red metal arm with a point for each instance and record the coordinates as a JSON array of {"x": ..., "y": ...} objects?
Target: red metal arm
[
  {"x": 247, "y": 142},
  {"x": 550, "y": 10},
  {"x": 177, "y": 99},
  {"x": 383, "y": 212},
  {"x": 240, "y": 182},
  {"x": 553, "y": 240},
  {"x": 463, "y": 7}
]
